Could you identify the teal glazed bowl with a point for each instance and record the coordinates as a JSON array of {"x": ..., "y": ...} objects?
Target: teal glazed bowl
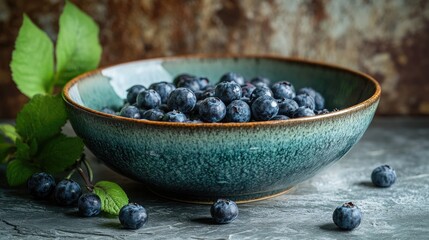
[{"x": 199, "y": 162}]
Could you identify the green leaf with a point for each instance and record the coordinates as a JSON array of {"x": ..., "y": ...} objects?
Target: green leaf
[
  {"x": 33, "y": 60},
  {"x": 9, "y": 131},
  {"x": 6, "y": 150},
  {"x": 60, "y": 153},
  {"x": 113, "y": 198},
  {"x": 78, "y": 49},
  {"x": 18, "y": 172},
  {"x": 22, "y": 150},
  {"x": 41, "y": 118}
]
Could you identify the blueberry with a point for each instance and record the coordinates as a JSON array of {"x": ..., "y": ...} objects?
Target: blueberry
[
  {"x": 182, "y": 99},
  {"x": 179, "y": 77},
  {"x": 228, "y": 91},
  {"x": 133, "y": 216},
  {"x": 224, "y": 211},
  {"x": 383, "y": 176},
  {"x": 280, "y": 117},
  {"x": 108, "y": 110},
  {"x": 320, "y": 112},
  {"x": 67, "y": 192},
  {"x": 89, "y": 205},
  {"x": 247, "y": 89},
  {"x": 318, "y": 98},
  {"x": 237, "y": 111},
  {"x": 204, "y": 83},
  {"x": 260, "y": 82},
  {"x": 205, "y": 94},
  {"x": 192, "y": 83},
  {"x": 264, "y": 108},
  {"x": 287, "y": 107},
  {"x": 175, "y": 116},
  {"x": 232, "y": 77},
  {"x": 153, "y": 115},
  {"x": 283, "y": 90},
  {"x": 164, "y": 108},
  {"x": 305, "y": 100},
  {"x": 41, "y": 185},
  {"x": 246, "y": 100},
  {"x": 347, "y": 217},
  {"x": 211, "y": 109},
  {"x": 132, "y": 93},
  {"x": 148, "y": 99},
  {"x": 163, "y": 89},
  {"x": 259, "y": 92},
  {"x": 130, "y": 112},
  {"x": 303, "y": 112}
]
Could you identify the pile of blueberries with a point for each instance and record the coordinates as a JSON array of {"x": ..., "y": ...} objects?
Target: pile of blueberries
[
  {"x": 133, "y": 216},
  {"x": 233, "y": 99}
]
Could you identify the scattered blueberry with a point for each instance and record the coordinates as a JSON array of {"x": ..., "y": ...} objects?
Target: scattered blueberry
[
  {"x": 347, "y": 217},
  {"x": 132, "y": 93},
  {"x": 182, "y": 99},
  {"x": 383, "y": 176},
  {"x": 259, "y": 92},
  {"x": 175, "y": 116},
  {"x": 130, "y": 112},
  {"x": 283, "y": 90},
  {"x": 211, "y": 109},
  {"x": 287, "y": 107},
  {"x": 305, "y": 100},
  {"x": 163, "y": 89},
  {"x": 89, "y": 205},
  {"x": 228, "y": 91},
  {"x": 153, "y": 115},
  {"x": 237, "y": 111},
  {"x": 232, "y": 77},
  {"x": 41, "y": 185},
  {"x": 303, "y": 112},
  {"x": 67, "y": 192},
  {"x": 260, "y": 81},
  {"x": 108, "y": 111},
  {"x": 133, "y": 216},
  {"x": 224, "y": 211},
  {"x": 148, "y": 99},
  {"x": 264, "y": 108}
]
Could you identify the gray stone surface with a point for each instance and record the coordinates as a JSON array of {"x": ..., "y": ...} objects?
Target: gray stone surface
[{"x": 399, "y": 212}]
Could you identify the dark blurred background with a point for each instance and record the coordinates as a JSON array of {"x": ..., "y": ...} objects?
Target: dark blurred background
[{"x": 389, "y": 39}]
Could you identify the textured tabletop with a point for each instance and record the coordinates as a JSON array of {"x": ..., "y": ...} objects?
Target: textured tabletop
[{"x": 399, "y": 212}]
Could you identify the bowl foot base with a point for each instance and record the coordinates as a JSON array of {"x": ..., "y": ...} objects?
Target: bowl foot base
[{"x": 209, "y": 200}]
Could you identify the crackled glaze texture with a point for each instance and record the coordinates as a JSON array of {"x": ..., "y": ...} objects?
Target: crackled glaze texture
[{"x": 201, "y": 162}]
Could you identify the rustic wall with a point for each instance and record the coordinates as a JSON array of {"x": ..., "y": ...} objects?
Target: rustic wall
[{"x": 388, "y": 39}]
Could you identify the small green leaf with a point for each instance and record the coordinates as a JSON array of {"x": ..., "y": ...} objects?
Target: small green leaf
[
  {"x": 22, "y": 150},
  {"x": 32, "y": 60},
  {"x": 41, "y": 118},
  {"x": 6, "y": 150},
  {"x": 113, "y": 198},
  {"x": 78, "y": 49},
  {"x": 18, "y": 171},
  {"x": 9, "y": 131},
  {"x": 60, "y": 153}
]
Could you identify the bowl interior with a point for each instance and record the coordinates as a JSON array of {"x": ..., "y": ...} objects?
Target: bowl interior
[{"x": 107, "y": 87}]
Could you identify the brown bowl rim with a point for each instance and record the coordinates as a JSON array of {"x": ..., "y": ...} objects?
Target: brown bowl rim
[{"x": 293, "y": 121}]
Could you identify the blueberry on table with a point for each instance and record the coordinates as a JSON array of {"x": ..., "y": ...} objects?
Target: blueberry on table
[
  {"x": 303, "y": 112},
  {"x": 163, "y": 89},
  {"x": 383, "y": 176},
  {"x": 108, "y": 110},
  {"x": 89, "y": 205},
  {"x": 41, "y": 185},
  {"x": 283, "y": 90},
  {"x": 211, "y": 109},
  {"x": 130, "y": 112},
  {"x": 133, "y": 216},
  {"x": 347, "y": 217},
  {"x": 232, "y": 77},
  {"x": 287, "y": 107},
  {"x": 132, "y": 93},
  {"x": 264, "y": 108},
  {"x": 238, "y": 111},
  {"x": 260, "y": 81},
  {"x": 175, "y": 116},
  {"x": 182, "y": 99},
  {"x": 224, "y": 211},
  {"x": 148, "y": 99},
  {"x": 305, "y": 100},
  {"x": 153, "y": 115},
  {"x": 228, "y": 91},
  {"x": 259, "y": 92},
  {"x": 67, "y": 192}
]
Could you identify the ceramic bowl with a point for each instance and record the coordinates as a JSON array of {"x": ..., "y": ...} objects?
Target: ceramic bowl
[{"x": 199, "y": 162}]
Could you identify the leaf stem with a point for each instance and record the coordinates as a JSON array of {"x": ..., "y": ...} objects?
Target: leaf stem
[
  {"x": 71, "y": 173},
  {"x": 88, "y": 169},
  {"x": 88, "y": 183}
]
